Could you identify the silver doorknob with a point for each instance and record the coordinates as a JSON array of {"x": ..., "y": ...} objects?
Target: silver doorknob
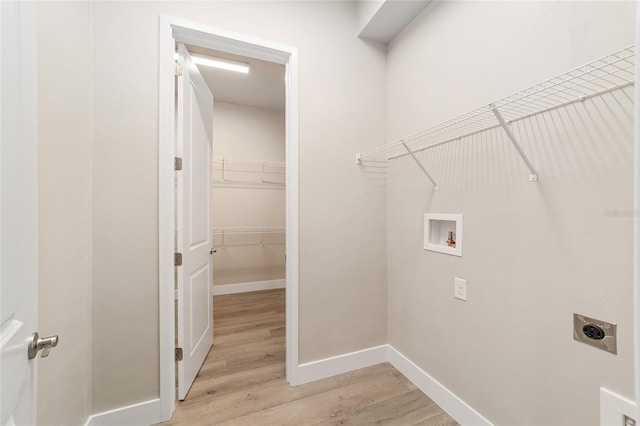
[
  {"x": 41, "y": 343},
  {"x": 211, "y": 251}
]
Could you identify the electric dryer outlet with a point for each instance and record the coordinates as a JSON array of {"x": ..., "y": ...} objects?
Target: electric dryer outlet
[{"x": 594, "y": 332}]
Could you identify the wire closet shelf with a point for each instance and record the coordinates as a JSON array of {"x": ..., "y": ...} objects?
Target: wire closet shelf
[
  {"x": 229, "y": 172},
  {"x": 611, "y": 72},
  {"x": 248, "y": 236}
]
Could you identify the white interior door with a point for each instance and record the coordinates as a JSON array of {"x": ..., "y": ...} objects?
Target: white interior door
[
  {"x": 195, "y": 315},
  {"x": 19, "y": 216}
]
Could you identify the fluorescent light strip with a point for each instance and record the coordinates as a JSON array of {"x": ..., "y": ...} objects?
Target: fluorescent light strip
[{"x": 221, "y": 64}]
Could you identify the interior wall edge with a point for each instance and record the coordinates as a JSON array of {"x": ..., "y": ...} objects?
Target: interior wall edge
[{"x": 452, "y": 404}]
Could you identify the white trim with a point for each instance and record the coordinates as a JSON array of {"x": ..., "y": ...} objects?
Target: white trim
[
  {"x": 447, "y": 400},
  {"x": 636, "y": 233},
  {"x": 614, "y": 407},
  {"x": 196, "y": 34},
  {"x": 328, "y": 367},
  {"x": 217, "y": 290},
  {"x": 147, "y": 412},
  {"x": 166, "y": 185},
  {"x": 291, "y": 222},
  {"x": 174, "y": 29}
]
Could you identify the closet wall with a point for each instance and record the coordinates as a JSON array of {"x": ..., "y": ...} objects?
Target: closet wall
[
  {"x": 242, "y": 200},
  {"x": 533, "y": 253}
]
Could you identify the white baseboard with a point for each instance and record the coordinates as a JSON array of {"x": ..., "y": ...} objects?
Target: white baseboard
[
  {"x": 149, "y": 412},
  {"x": 321, "y": 369},
  {"x": 247, "y": 287},
  {"x": 143, "y": 413},
  {"x": 447, "y": 400},
  {"x": 614, "y": 407}
]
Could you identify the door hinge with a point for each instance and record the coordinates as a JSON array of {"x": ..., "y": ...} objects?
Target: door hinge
[
  {"x": 177, "y": 163},
  {"x": 178, "y": 354},
  {"x": 177, "y": 259},
  {"x": 178, "y": 69}
]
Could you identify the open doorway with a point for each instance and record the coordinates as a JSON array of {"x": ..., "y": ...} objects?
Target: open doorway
[
  {"x": 198, "y": 37},
  {"x": 248, "y": 171},
  {"x": 230, "y": 142}
]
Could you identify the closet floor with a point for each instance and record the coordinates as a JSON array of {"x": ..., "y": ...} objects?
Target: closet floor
[{"x": 242, "y": 381}]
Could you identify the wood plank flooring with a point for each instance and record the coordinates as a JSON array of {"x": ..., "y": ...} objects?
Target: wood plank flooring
[{"x": 243, "y": 382}]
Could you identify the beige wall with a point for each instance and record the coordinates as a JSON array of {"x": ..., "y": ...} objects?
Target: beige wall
[
  {"x": 243, "y": 132},
  {"x": 248, "y": 132},
  {"x": 64, "y": 211},
  {"x": 561, "y": 252},
  {"x": 533, "y": 253},
  {"x": 342, "y": 272}
]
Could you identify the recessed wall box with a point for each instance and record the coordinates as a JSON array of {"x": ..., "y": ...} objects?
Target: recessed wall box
[{"x": 443, "y": 233}]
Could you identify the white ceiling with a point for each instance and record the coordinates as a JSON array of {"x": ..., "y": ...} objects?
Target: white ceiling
[{"x": 262, "y": 87}]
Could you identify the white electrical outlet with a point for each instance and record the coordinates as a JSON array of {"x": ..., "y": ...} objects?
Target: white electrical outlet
[{"x": 460, "y": 289}]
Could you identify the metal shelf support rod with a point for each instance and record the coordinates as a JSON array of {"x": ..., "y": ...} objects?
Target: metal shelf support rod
[
  {"x": 533, "y": 175},
  {"x": 435, "y": 186}
]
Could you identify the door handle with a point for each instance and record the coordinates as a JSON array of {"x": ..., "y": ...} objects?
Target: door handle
[
  {"x": 41, "y": 343},
  {"x": 212, "y": 250}
]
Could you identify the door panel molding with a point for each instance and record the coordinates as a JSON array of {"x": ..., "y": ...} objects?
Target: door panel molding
[{"x": 193, "y": 196}]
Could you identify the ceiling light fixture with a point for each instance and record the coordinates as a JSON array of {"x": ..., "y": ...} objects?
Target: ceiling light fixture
[{"x": 223, "y": 64}]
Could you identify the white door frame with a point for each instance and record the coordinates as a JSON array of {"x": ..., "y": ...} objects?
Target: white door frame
[
  {"x": 636, "y": 248},
  {"x": 173, "y": 30}
]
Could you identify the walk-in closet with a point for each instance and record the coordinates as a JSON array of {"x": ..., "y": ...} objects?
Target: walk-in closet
[
  {"x": 248, "y": 176},
  {"x": 244, "y": 145},
  {"x": 248, "y": 187}
]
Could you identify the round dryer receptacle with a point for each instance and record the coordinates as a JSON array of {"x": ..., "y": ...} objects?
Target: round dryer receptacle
[{"x": 593, "y": 332}]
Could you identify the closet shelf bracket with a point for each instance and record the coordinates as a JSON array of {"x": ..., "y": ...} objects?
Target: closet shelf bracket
[
  {"x": 533, "y": 175},
  {"x": 435, "y": 186},
  {"x": 360, "y": 160}
]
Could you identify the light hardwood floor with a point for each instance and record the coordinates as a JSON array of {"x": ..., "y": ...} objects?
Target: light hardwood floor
[{"x": 243, "y": 382}]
